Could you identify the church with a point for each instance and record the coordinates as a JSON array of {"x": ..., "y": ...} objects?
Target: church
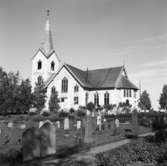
[{"x": 77, "y": 87}]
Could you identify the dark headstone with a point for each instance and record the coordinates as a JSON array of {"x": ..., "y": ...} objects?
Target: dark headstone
[
  {"x": 135, "y": 122},
  {"x": 48, "y": 139},
  {"x": 30, "y": 144},
  {"x": 89, "y": 129}
]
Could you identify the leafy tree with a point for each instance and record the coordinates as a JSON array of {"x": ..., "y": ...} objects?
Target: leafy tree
[
  {"x": 163, "y": 98},
  {"x": 144, "y": 101},
  {"x": 54, "y": 101},
  {"x": 90, "y": 106},
  {"x": 24, "y": 97},
  {"x": 39, "y": 95}
]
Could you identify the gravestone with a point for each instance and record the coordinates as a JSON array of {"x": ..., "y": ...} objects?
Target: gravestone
[
  {"x": 10, "y": 124},
  {"x": 66, "y": 124},
  {"x": 78, "y": 124},
  {"x": 135, "y": 127},
  {"x": 58, "y": 124},
  {"x": 22, "y": 126},
  {"x": 89, "y": 129},
  {"x": 47, "y": 139},
  {"x": 31, "y": 144},
  {"x": 99, "y": 122}
]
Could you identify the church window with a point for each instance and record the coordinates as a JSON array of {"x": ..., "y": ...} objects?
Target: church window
[
  {"x": 86, "y": 97},
  {"x": 127, "y": 93},
  {"x": 39, "y": 79},
  {"x": 106, "y": 98},
  {"x": 76, "y": 88},
  {"x": 96, "y": 99},
  {"x": 52, "y": 66},
  {"x": 39, "y": 65},
  {"x": 76, "y": 100},
  {"x": 53, "y": 90},
  {"x": 64, "y": 87}
]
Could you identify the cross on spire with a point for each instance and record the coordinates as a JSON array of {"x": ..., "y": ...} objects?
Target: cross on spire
[{"x": 48, "y": 12}]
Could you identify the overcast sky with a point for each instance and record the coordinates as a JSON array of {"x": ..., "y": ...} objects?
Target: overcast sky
[{"x": 90, "y": 33}]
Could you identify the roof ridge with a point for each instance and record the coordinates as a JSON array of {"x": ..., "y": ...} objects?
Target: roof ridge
[{"x": 106, "y": 68}]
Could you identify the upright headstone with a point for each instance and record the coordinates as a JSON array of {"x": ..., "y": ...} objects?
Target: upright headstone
[
  {"x": 10, "y": 124},
  {"x": 30, "y": 144},
  {"x": 47, "y": 139},
  {"x": 78, "y": 124},
  {"x": 66, "y": 124},
  {"x": 88, "y": 112},
  {"x": 117, "y": 123},
  {"x": 88, "y": 138},
  {"x": 99, "y": 122},
  {"x": 58, "y": 124},
  {"x": 135, "y": 122}
]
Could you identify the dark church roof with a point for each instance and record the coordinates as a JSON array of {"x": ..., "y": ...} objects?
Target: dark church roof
[{"x": 107, "y": 78}]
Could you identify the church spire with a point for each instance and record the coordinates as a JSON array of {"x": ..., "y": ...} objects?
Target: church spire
[{"x": 48, "y": 43}]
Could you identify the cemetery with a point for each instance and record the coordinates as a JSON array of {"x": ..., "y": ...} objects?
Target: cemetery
[{"x": 38, "y": 136}]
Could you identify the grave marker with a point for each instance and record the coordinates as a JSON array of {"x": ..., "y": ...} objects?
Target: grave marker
[
  {"x": 66, "y": 124},
  {"x": 135, "y": 122},
  {"x": 30, "y": 144},
  {"x": 47, "y": 139}
]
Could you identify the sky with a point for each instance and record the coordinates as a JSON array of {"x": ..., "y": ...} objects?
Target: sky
[{"x": 90, "y": 33}]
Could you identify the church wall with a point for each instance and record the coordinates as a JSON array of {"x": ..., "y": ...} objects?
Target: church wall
[
  {"x": 69, "y": 97},
  {"x": 42, "y": 72},
  {"x": 116, "y": 95}
]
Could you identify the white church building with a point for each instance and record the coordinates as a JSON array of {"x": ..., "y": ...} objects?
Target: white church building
[{"x": 77, "y": 87}]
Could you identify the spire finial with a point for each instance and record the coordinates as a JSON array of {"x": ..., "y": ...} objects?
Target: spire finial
[{"x": 48, "y": 12}]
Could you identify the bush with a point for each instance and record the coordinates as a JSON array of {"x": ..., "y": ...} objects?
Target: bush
[
  {"x": 46, "y": 113},
  {"x": 63, "y": 114},
  {"x": 81, "y": 113},
  {"x": 90, "y": 106}
]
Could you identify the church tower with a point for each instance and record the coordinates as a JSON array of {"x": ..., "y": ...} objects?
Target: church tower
[{"x": 45, "y": 62}]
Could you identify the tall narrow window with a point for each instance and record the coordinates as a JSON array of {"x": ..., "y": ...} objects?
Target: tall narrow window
[
  {"x": 106, "y": 98},
  {"x": 39, "y": 65},
  {"x": 64, "y": 86},
  {"x": 52, "y": 66},
  {"x": 96, "y": 99},
  {"x": 76, "y": 88},
  {"x": 76, "y": 100},
  {"x": 53, "y": 90},
  {"x": 86, "y": 98}
]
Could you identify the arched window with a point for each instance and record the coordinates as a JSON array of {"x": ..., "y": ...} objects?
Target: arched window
[
  {"x": 52, "y": 66},
  {"x": 96, "y": 99},
  {"x": 106, "y": 98},
  {"x": 53, "y": 90},
  {"x": 86, "y": 98},
  {"x": 64, "y": 86},
  {"x": 39, "y": 79},
  {"x": 76, "y": 88},
  {"x": 39, "y": 65}
]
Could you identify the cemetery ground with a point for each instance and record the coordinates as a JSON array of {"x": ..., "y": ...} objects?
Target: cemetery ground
[{"x": 67, "y": 141}]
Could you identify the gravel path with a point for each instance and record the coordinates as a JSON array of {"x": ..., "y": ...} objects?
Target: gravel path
[{"x": 106, "y": 147}]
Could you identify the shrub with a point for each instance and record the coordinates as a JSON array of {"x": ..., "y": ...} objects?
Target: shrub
[
  {"x": 81, "y": 113},
  {"x": 90, "y": 106},
  {"x": 63, "y": 114}
]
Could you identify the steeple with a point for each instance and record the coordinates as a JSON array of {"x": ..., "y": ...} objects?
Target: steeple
[{"x": 47, "y": 46}]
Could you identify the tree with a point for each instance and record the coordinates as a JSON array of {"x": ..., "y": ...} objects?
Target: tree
[
  {"x": 90, "y": 106},
  {"x": 163, "y": 98},
  {"x": 39, "y": 95},
  {"x": 54, "y": 101},
  {"x": 24, "y": 97},
  {"x": 144, "y": 101}
]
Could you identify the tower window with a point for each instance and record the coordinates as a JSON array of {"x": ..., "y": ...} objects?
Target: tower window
[
  {"x": 106, "y": 98},
  {"x": 53, "y": 90},
  {"x": 76, "y": 88},
  {"x": 39, "y": 65},
  {"x": 64, "y": 86},
  {"x": 52, "y": 66},
  {"x": 96, "y": 99}
]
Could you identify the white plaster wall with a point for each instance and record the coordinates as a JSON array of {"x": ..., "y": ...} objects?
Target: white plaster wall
[
  {"x": 45, "y": 72},
  {"x": 116, "y": 95},
  {"x": 69, "y": 102}
]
